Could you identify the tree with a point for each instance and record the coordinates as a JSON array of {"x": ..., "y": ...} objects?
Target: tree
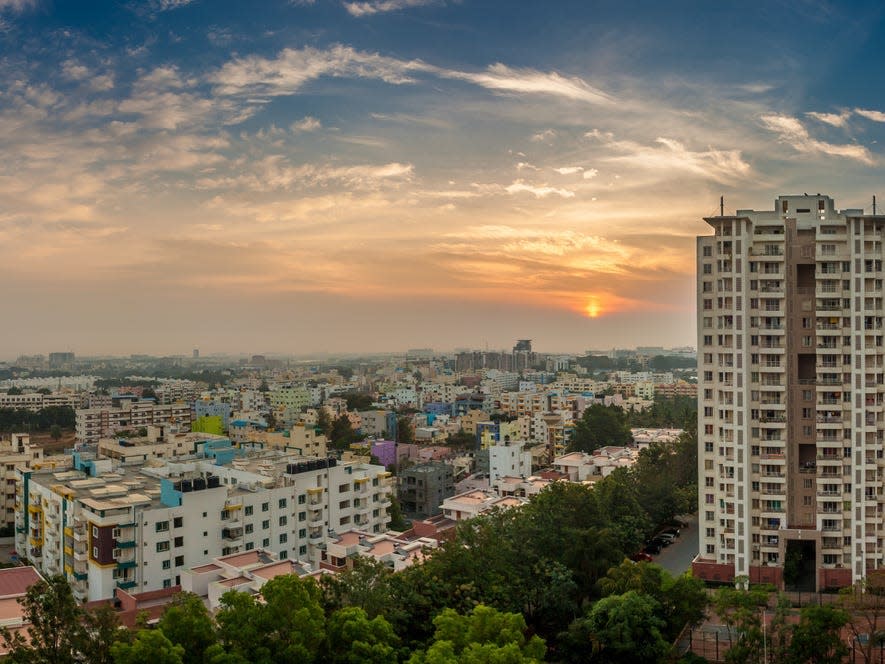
[
  {"x": 741, "y": 609},
  {"x": 397, "y": 520},
  {"x": 864, "y": 603},
  {"x": 14, "y": 391},
  {"x": 405, "y": 431},
  {"x": 324, "y": 422},
  {"x": 101, "y": 630},
  {"x": 342, "y": 434},
  {"x": 600, "y": 426},
  {"x": 619, "y": 628},
  {"x": 150, "y": 646},
  {"x": 817, "y": 637},
  {"x": 44, "y": 391},
  {"x": 55, "y": 632},
  {"x": 484, "y": 635},
  {"x": 462, "y": 440},
  {"x": 55, "y": 432},
  {"x": 352, "y": 638},
  {"x": 358, "y": 400},
  {"x": 187, "y": 623}
]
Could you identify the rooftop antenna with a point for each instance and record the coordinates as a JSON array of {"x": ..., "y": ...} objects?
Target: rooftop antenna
[
  {"x": 874, "y": 205},
  {"x": 722, "y": 206}
]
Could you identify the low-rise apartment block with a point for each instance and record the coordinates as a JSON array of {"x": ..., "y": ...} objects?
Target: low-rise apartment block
[
  {"x": 105, "y": 525},
  {"x": 95, "y": 423}
]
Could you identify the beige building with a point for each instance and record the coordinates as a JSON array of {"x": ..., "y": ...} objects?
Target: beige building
[{"x": 791, "y": 417}]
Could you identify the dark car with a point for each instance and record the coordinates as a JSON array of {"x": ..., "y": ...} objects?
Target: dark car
[
  {"x": 670, "y": 531},
  {"x": 661, "y": 541},
  {"x": 652, "y": 548},
  {"x": 641, "y": 557}
]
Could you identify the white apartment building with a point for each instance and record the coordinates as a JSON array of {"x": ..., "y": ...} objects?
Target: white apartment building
[
  {"x": 791, "y": 417},
  {"x": 509, "y": 457},
  {"x": 105, "y": 525},
  {"x": 94, "y": 423}
]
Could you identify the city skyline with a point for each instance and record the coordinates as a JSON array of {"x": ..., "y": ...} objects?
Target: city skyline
[{"x": 324, "y": 176}]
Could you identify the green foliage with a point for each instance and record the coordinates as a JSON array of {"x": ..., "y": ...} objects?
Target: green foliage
[
  {"x": 679, "y": 412},
  {"x": 324, "y": 422},
  {"x": 665, "y": 478},
  {"x": 342, "y": 434},
  {"x": 484, "y": 635},
  {"x": 358, "y": 400},
  {"x": 817, "y": 637},
  {"x": 741, "y": 610},
  {"x": 405, "y": 431},
  {"x": 149, "y": 647},
  {"x": 600, "y": 426},
  {"x": 461, "y": 440},
  {"x": 288, "y": 626},
  {"x": 619, "y": 628},
  {"x": 352, "y": 638},
  {"x": 397, "y": 520},
  {"x": 21, "y": 419},
  {"x": 187, "y": 623}
]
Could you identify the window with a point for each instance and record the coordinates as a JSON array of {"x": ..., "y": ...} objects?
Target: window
[
  {"x": 177, "y": 522},
  {"x": 167, "y": 564},
  {"x": 248, "y": 510},
  {"x": 179, "y": 561},
  {"x": 283, "y": 520},
  {"x": 115, "y": 533},
  {"x": 283, "y": 538},
  {"x": 343, "y": 488},
  {"x": 265, "y": 524},
  {"x": 302, "y": 550},
  {"x": 284, "y": 554},
  {"x": 95, "y": 552},
  {"x": 265, "y": 542},
  {"x": 162, "y": 546},
  {"x": 162, "y": 526},
  {"x": 707, "y": 251},
  {"x": 265, "y": 507},
  {"x": 249, "y": 528},
  {"x": 708, "y": 268},
  {"x": 302, "y": 499},
  {"x": 282, "y": 503},
  {"x": 302, "y": 533},
  {"x": 179, "y": 541},
  {"x": 250, "y": 546},
  {"x": 167, "y": 583}
]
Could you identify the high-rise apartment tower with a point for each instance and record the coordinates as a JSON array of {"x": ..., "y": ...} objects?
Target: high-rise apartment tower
[{"x": 790, "y": 392}]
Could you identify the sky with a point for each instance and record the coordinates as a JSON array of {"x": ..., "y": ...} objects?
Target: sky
[{"x": 299, "y": 176}]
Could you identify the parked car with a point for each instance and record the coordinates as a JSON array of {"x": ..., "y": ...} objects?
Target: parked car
[
  {"x": 641, "y": 557},
  {"x": 652, "y": 548},
  {"x": 670, "y": 537},
  {"x": 662, "y": 540},
  {"x": 671, "y": 531}
]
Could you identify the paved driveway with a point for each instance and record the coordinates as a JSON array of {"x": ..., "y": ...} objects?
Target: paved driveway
[{"x": 677, "y": 557}]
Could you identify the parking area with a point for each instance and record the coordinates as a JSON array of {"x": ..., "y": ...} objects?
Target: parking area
[{"x": 677, "y": 557}]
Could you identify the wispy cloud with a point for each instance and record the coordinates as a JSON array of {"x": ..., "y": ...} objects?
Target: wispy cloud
[
  {"x": 504, "y": 79},
  {"x": 668, "y": 155},
  {"x": 167, "y": 5},
  {"x": 875, "y": 116},
  {"x": 569, "y": 170},
  {"x": 292, "y": 69},
  {"x": 17, "y": 5},
  {"x": 791, "y": 132},
  {"x": 306, "y": 124},
  {"x": 381, "y": 6},
  {"x": 833, "y": 119},
  {"x": 543, "y": 191}
]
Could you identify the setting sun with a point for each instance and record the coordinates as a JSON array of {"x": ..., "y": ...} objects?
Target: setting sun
[{"x": 593, "y": 309}]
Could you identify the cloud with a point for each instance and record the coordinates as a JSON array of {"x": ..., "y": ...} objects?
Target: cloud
[
  {"x": 569, "y": 170},
  {"x": 590, "y": 173},
  {"x": 541, "y": 136},
  {"x": 360, "y": 9},
  {"x": 667, "y": 155},
  {"x": 17, "y": 5},
  {"x": 834, "y": 119},
  {"x": 520, "y": 186},
  {"x": 875, "y": 116},
  {"x": 305, "y": 124},
  {"x": 501, "y": 78},
  {"x": 167, "y": 5},
  {"x": 292, "y": 69},
  {"x": 791, "y": 132}
]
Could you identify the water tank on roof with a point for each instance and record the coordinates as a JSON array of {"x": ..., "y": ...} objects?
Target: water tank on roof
[
  {"x": 199, "y": 484},
  {"x": 186, "y": 485},
  {"x": 213, "y": 482},
  {"x": 333, "y": 462}
]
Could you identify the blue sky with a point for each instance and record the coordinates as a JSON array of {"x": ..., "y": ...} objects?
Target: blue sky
[{"x": 285, "y": 176}]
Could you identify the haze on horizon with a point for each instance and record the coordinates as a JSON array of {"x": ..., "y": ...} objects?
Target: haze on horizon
[{"x": 358, "y": 176}]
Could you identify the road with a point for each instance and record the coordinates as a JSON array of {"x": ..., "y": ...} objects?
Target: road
[{"x": 677, "y": 557}]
